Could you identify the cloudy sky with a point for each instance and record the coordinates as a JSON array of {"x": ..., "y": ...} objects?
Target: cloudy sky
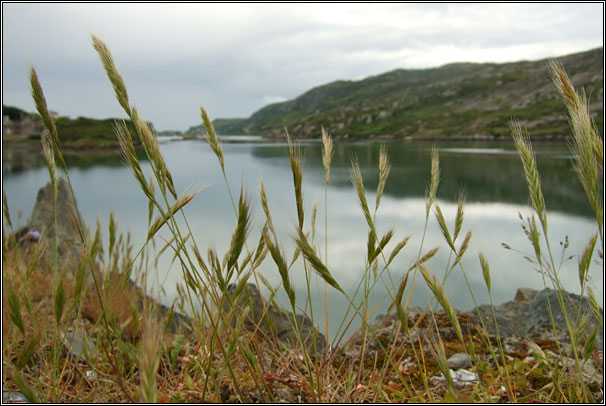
[{"x": 235, "y": 58}]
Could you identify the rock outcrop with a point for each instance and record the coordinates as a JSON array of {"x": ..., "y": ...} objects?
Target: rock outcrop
[{"x": 528, "y": 315}]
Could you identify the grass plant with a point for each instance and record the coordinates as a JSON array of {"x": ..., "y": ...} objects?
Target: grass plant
[{"x": 227, "y": 353}]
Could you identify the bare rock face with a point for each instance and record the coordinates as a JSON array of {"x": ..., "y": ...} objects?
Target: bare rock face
[
  {"x": 272, "y": 321},
  {"x": 42, "y": 220},
  {"x": 528, "y": 314}
]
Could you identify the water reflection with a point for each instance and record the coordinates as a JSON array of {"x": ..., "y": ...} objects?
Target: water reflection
[{"x": 490, "y": 173}]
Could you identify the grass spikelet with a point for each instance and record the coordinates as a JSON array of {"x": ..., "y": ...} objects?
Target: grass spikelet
[
  {"x": 59, "y": 302},
  {"x": 358, "y": 183},
  {"x": 586, "y": 260},
  {"x": 149, "y": 360},
  {"x": 176, "y": 206},
  {"x": 444, "y": 228},
  {"x": 424, "y": 258},
  {"x": 14, "y": 310},
  {"x": 459, "y": 217},
  {"x": 485, "y": 270},
  {"x": 397, "y": 250},
  {"x": 129, "y": 155},
  {"x": 112, "y": 233},
  {"x": 212, "y": 138},
  {"x": 112, "y": 73},
  {"x": 534, "y": 237},
  {"x": 28, "y": 351},
  {"x": 440, "y": 295},
  {"x": 586, "y": 146},
  {"x": 51, "y": 165},
  {"x": 435, "y": 180},
  {"x": 530, "y": 170},
  {"x": 5, "y": 210},
  {"x": 297, "y": 176},
  {"x": 278, "y": 258},
  {"x": 239, "y": 235},
  {"x": 462, "y": 248},
  {"x": 309, "y": 254},
  {"x": 595, "y": 307},
  {"x": 437, "y": 349},
  {"x": 384, "y": 168},
  {"x": 30, "y": 394},
  {"x": 382, "y": 243},
  {"x": 314, "y": 212},
  {"x": 327, "y": 152}
]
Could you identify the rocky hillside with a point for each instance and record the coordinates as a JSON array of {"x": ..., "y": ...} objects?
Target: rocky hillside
[{"x": 459, "y": 100}]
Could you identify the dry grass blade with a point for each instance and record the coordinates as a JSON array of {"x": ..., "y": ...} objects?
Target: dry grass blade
[
  {"x": 112, "y": 73},
  {"x": 327, "y": 152},
  {"x": 212, "y": 138},
  {"x": 309, "y": 254},
  {"x": 530, "y": 170}
]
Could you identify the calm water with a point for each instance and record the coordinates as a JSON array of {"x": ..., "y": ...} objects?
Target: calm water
[{"x": 490, "y": 173}]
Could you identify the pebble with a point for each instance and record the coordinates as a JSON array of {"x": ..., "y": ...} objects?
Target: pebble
[
  {"x": 459, "y": 360},
  {"x": 13, "y": 397}
]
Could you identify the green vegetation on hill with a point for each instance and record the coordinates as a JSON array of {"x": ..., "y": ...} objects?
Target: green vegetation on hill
[
  {"x": 223, "y": 126},
  {"x": 14, "y": 113},
  {"x": 460, "y": 100},
  {"x": 84, "y": 131}
]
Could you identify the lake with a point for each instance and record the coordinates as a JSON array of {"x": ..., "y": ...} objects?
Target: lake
[{"x": 489, "y": 172}]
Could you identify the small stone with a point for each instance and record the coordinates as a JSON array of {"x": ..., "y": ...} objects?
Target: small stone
[
  {"x": 13, "y": 397},
  {"x": 76, "y": 344},
  {"x": 459, "y": 360}
]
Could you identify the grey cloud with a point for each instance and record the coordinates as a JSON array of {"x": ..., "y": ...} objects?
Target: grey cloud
[{"x": 230, "y": 57}]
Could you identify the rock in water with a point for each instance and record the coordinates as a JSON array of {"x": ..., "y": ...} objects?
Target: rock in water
[
  {"x": 273, "y": 321},
  {"x": 43, "y": 221}
]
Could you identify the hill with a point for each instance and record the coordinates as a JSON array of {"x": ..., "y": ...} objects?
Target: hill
[
  {"x": 81, "y": 132},
  {"x": 459, "y": 100}
]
